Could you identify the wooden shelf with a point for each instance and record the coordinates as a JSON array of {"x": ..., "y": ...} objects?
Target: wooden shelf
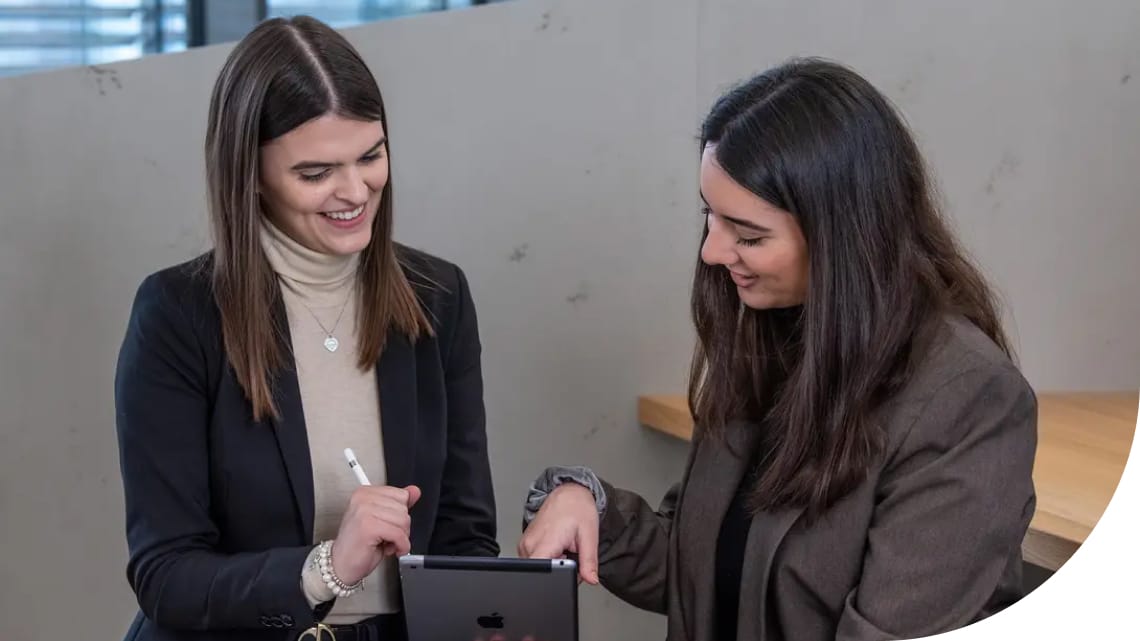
[{"x": 1082, "y": 446}]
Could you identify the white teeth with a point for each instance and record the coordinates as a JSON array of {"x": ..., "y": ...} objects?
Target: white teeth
[{"x": 345, "y": 215}]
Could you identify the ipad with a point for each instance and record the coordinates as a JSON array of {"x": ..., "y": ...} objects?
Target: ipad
[{"x": 450, "y": 598}]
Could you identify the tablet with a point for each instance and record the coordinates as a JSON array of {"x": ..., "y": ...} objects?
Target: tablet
[{"x": 450, "y": 598}]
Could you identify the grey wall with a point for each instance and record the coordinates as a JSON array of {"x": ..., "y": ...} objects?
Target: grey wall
[{"x": 548, "y": 147}]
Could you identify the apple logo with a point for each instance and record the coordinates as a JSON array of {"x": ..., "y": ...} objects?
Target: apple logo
[{"x": 492, "y": 622}]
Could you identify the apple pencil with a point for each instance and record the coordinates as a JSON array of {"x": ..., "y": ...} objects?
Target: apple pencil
[{"x": 355, "y": 465}]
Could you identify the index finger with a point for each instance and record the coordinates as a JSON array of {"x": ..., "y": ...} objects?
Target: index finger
[
  {"x": 398, "y": 494},
  {"x": 588, "y": 554}
]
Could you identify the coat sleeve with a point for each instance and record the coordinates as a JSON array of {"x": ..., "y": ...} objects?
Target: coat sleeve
[
  {"x": 466, "y": 522},
  {"x": 633, "y": 546},
  {"x": 162, "y": 408},
  {"x": 954, "y": 505}
]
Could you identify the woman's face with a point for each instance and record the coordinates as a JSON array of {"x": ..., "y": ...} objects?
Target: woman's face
[
  {"x": 321, "y": 182},
  {"x": 761, "y": 246}
]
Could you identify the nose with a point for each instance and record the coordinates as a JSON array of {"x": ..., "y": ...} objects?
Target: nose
[
  {"x": 719, "y": 247},
  {"x": 352, "y": 189}
]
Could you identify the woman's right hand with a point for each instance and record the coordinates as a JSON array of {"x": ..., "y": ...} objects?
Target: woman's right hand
[
  {"x": 566, "y": 522},
  {"x": 375, "y": 525}
]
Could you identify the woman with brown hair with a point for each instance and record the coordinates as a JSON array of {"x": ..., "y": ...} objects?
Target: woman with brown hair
[
  {"x": 247, "y": 372},
  {"x": 861, "y": 465}
]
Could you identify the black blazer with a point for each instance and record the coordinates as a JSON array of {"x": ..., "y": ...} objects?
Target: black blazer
[{"x": 219, "y": 507}]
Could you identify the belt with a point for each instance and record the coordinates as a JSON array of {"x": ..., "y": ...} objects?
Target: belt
[{"x": 382, "y": 627}]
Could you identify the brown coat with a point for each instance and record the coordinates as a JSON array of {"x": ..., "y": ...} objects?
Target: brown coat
[{"x": 931, "y": 541}]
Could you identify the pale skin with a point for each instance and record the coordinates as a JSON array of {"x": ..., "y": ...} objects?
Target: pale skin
[
  {"x": 321, "y": 185},
  {"x": 328, "y": 165},
  {"x": 761, "y": 246},
  {"x": 764, "y": 250}
]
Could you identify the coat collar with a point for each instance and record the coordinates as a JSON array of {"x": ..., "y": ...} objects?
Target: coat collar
[{"x": 719, "y": 467}]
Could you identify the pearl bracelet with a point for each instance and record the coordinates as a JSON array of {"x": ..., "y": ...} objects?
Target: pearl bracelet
[{"x": 325, "y": 565}]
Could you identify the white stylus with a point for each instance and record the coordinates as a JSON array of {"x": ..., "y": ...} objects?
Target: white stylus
[{"x": 355, "y": 465}]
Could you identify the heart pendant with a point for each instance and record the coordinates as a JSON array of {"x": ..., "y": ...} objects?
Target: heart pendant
[{"x": 331, "y": 344}]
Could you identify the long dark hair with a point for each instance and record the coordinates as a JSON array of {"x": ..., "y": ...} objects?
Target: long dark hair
[
  {"x": 283, "y": 74},
  {"x": 818, "y": 141}
]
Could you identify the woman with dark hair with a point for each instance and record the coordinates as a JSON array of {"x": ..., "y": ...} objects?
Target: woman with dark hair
[
  {"x": 247, "y": 372},
  {"x": 863, "y": 447}
]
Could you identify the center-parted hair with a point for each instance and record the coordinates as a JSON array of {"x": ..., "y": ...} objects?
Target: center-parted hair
[{"x": 285, "y": 73}]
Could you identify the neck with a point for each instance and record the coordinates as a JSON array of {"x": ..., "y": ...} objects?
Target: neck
[{"x": 302, "y": 268}]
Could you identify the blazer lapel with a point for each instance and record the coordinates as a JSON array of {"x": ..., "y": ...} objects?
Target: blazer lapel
[
  {"x": 764, "y": 537},
  {"x": 396, "y": 382},
  {"x": 717, "y": 471},
  {"x": 292, "y": 435}
]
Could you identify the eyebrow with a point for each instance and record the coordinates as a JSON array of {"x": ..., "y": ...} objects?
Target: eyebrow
[
  {"x": 316, "y": 164},
  {"x": 739, "y": 222}
]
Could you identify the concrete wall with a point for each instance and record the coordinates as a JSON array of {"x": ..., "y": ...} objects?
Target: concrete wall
[
  {"x": 1028, "y": 113},
  {"x": 549, "y": 148}
]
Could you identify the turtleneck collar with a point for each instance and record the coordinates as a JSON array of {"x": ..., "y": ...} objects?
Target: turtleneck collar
[{"x": 303, "y": 269}]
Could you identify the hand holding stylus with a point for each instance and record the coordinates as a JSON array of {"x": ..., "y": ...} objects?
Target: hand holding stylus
[{"x": 376, "y": 525}]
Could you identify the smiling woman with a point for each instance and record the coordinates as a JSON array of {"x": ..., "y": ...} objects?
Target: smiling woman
[
  {"x": 863, "y": 442},
  {"x": 246, "y": 372}
]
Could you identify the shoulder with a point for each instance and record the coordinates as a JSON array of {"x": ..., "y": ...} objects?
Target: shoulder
[
  {"x": 173, "y": 326},
  {"x": 440, "y": 285},
  {"x": 177, "y": 295},
  {"x": 426, "y": 271},
  {"x": 190, "y": 278},
  {"x": 961, "y": 352},
  {"x": 962, "y": 384}
]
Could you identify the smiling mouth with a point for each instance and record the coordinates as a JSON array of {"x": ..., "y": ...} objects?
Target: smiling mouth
[
  {"x": 344, "y": 215},
  {"x": 740, "y": 281}
]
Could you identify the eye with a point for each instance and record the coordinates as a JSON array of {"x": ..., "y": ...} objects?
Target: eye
[
  {"x": 372, "y": 157},
  {"x": 751, "y": 242},
  {"x": 317, "y": 177}
]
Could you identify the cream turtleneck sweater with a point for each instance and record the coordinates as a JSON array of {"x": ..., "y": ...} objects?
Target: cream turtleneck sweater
[{"x": 341, "y": 405}]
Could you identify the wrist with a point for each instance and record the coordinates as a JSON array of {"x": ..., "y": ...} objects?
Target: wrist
[
  {"x": 326, "y": 565},
  {"x": 312, "y": 583},
  {"x": 556, "y": 477}
]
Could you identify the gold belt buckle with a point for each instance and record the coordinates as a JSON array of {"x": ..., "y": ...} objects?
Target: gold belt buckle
[{"x": 317, "y": 633}]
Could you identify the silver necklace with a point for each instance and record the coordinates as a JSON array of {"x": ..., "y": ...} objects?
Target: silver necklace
[{"x": 331, "y": 343}]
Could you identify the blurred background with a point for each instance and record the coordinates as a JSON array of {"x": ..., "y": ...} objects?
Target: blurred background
[{"x": 35, "y": 36}]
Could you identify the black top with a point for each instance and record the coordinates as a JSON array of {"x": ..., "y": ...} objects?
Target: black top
[
  {"x": 219, "y": 508},
  {"x": 733, "y": 536},
  {"x": 730, "y": 545}
]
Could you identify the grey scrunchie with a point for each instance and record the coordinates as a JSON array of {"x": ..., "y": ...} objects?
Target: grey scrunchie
[{"x": 551, "y": 478}]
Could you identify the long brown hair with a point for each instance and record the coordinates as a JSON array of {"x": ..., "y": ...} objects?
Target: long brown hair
[
  {"x": 818, "y": 141},
  {"x": 283, "y": 74}
]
